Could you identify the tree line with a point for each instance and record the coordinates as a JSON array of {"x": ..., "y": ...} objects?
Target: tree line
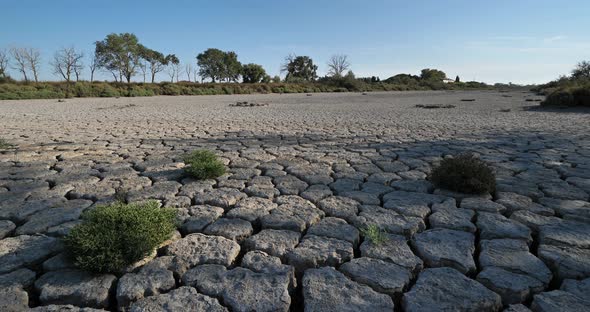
[{"x": 124, "y": 57}]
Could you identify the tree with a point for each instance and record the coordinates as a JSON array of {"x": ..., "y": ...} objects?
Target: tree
[
  {"x": 67, "y": 61},
  {"x": 433, "y": 74},
  {"x": 457, "y": 79},
  {"x": 144, "y": 68},
  {"x": 582, "y": 70},
  {"x": 276, "y": 79},
  {"x": 337, "y": 65},
  {"x": 173, "y": 62},
  {"x": 119, "y": 53},
  {"x": 33, "y": 58},
  {"x": 93, "y": 66},
  {"x": 20, "y": 61},
  {"x": 188, "y": 69},
  {"x": 219, "y": 65},
  {"x": 299, "y": 67},
  {"x": 4, "y": 61},
  {"x": 253, "y": 73},
  {"x": 156, "y": 60}
]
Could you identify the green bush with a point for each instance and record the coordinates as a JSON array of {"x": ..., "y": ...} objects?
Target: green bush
[
  {"x": 374, "y": 234},
  {"x": 465, "y": 174},
  {"x": 572, "y": 96},
  {"x": 203, "y": 165},
  {"x": 113, "y": 237}
]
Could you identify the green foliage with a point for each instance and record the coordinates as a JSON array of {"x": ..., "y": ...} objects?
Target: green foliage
[
  {"x": 113, "y": 237},
  {"x": 203, "y": 164},
  {"x": 433, "y": 74},
  {"x": 568, "y": 91},
  {"x": 219, "y": 65},
  {"x": 119, "y": 53},
  {"x": 465, "y": 174},
  {"x": 4, "y": 144},
  {"x": 253, "y": 73},
  {"x": 373, "y": 233},
  {"x": 300, "y": 68}
]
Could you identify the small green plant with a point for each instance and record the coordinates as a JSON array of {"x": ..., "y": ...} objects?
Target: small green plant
[
  {"x": 464, "y": 173},
  {"x": 5, "y": 145},
  {"x": 204, "y": 164},
  {"x": 115, "y": 236},
  {"x": 373, "y": 233}
]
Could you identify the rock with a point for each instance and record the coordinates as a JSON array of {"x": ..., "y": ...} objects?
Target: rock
[
  {"x": 492, "y": 226},
  {"x": 17, "y": 252},
  {"x": 252, "y": 208},
  {"x": 340, "y": 207},
  {"x": 6, "y": 227},
  {"x": 566, "y": 233},
  {"x": 21, "y": 278},
  {"x": 43, "y": 220},
  {"x": 220, "y": 197},
  {"x": 443, "y": 247},
  {"x": 567, "y": 207},
  {"x": 64, "y": 308},
  {"x": 290, "y": 185},
  {"x": 241, "y": 289},
  {"x": 316, "y": 192},
  {"x": 517, "y": 308},
  {"x": 453, "y": 219},
  {"x": 58, "y": 262},
  {"x": 235, "y": 229},
  {"x": 335, "y": 228},
  {"x": 326, "y": 289},
  {"x": 13, "y": 298},
  {"x": 294, "y": 216},
  {"x": 563, "y": 190},
  {"x": 558, "y": 300},
  {"x": 345, "y": 185},
  {"x": 363, "y": 197},
  {"x": 419, "y": 186},
  {"x": 274, "y": 242},
  {"x": 512, "y": 287},
  {"x": 196, "y": 218},
  {"x": 513, "y": 201},
  {"x": 389, "y": 221},
  {"x": 181, "y": 299},
  {"x": 532, "y": 220},
  {"x": 512, "y": 255},
  {"x": 578, "y": 288},
  {"x": 445, "y": 289},
  {"x": 261, "y": 262},
  {"x": 195, "y": 249},
  {"x": 395, "y": 249},
  {"x": 566, "y": 262},
  {"x": 382, "y": 276},
  {"x": 75, "y": 287},
  {"x": 482, "y": 204},
  {"x": 316, "y": 251},
  {"x": 150, "y": 281}
]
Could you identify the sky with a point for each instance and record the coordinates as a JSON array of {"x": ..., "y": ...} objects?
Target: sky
[{"x": 518, "y": 41}]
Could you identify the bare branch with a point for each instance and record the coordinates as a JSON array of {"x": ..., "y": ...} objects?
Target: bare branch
[
  {"x": 20, "y": 61},
  {"x": 337, "y": 65}
]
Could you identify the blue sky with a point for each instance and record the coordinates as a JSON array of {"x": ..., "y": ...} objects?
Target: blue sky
[{"x": 520, "y": 41}]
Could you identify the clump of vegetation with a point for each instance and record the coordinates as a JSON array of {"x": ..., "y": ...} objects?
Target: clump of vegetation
[
  {"x": 374, "y": 234},
  {"x": 115, "y": 236},
  {"x": 434, "y": 106},
  {"x": 204, "y": 164},
  {"x": 4, "y": 144},
  {"x": 573, "y": 90},
  {"x": 465, "y": 174}
]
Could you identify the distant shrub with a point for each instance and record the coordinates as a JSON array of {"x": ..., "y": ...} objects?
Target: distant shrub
[
  {"x": 374, "y": 234},
  {"x": 4, "y": 144},
  {"x": 204, "y": 165},
  {"x": 574, "y": 96},
  {"x": 465, "y": 174},
  {"x": 113, "y": 237}
]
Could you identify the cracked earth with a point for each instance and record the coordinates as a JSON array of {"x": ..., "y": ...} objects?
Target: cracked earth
[{"x": 281, "y": 230}]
